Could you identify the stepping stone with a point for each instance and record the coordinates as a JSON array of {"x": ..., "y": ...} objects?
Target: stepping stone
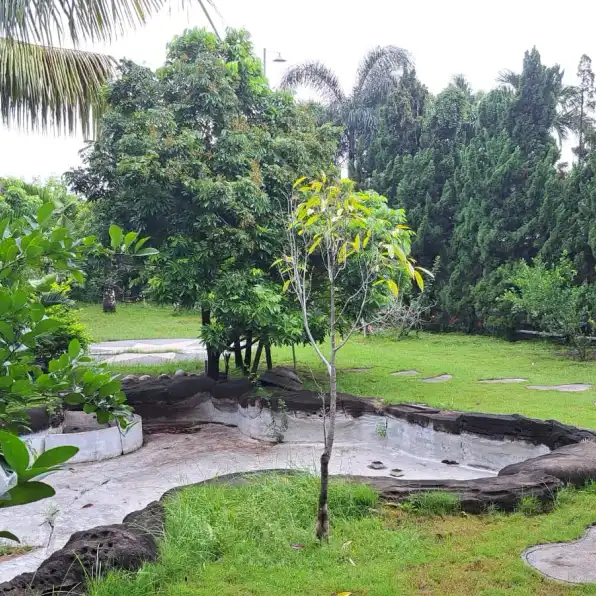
[
  {"x": 438, "y": 379},
  {"x": 405, "y": 373},
  {"x": 377, "y": 465},
  {"x": 569, "y": 388},
  {"x": 505, "y": 380},
  {"x": 396, "y": 473},
  {"x": 360, "y": 369},
  {"x": 572, "y": 562}
]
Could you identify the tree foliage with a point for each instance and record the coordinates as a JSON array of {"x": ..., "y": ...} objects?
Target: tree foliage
[
  {"x": 480, "y": 178},
  {"x": 200, "y": 156}
]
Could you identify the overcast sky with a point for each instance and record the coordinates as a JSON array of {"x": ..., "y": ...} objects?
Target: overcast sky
[{"x": 445, "y": 37}]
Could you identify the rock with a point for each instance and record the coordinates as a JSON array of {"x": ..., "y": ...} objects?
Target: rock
[
  {"x": 130, "y": 379},
  {"x": 573, "y": 464},
  {"x": 86, "y": 554},
  {"x": 163, "y": 376},
  {"x": 281, "y": 376},
  {"x": 571, "y": 562},
  {"x": 439, "y": 378},
  {"x": 145, "y": 378},
  {"x": 180, "y": 373},
  {"x": 450, "y": 462},
  {"x": 568, "y": 388},
  {"x": 503, "y": 380},
  {"x": 476, "y": 495},
  {"x": 377, "y": 465}
]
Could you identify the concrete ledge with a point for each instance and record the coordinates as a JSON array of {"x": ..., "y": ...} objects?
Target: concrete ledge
[{"x": 95, "y": 441}]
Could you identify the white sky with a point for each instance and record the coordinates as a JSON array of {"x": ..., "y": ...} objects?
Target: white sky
[{"x": 445, "y": 37}]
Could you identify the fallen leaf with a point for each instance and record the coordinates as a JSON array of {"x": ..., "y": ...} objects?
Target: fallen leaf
[
  {"x": 344, "y": 594},
  {"x": 87, "y": 506},
  {"x": 297, "y": 546}
]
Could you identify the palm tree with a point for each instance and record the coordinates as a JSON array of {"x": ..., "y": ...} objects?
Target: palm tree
[
  {"x": 357, "y": 112},
  {"x": 566, "y": 103},
  {"x": 44, "y": 85}
]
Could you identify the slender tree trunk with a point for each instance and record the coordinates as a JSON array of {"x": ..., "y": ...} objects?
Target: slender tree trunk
[
  {"x": 322, "y": 528},
  {"x": 238, "y": 354},
  {"x": 248, "y": 353},
  {"x": 255, "y": 364},
  {"x": 268, "y": 357},
  {"x": 294, "y": 356},
  {"x": 212, "y": 354}
]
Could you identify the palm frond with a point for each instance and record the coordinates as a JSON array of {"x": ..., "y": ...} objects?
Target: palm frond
[
  {"x": 379, "y": 69},
  {"x": 45, "y": 87},
  {"x": 509, "y": 78},
  {"x": 47, "y": 22},
  {"x": 316, "y": 76}
]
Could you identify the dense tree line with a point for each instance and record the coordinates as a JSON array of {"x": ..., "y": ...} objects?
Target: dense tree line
[{"x": 480, "y": 177}]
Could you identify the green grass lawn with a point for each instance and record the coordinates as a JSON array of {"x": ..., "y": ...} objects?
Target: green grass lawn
[
  {"x": 258, "y": 540},
  {"x": 138, "y": 321}
]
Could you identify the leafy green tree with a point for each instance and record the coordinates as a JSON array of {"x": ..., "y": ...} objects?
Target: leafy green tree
[
  {"x": 351, "y": 234},
  {"x": 200, "y": 156},
  {"x": 357, "y": 112}
]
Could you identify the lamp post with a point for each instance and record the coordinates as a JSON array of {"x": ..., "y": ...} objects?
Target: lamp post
[{"x": 279, "y": 58}]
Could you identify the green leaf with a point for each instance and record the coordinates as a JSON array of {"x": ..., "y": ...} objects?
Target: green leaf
[
  {"x": 15, "y": 451},
  {"x": 115, "y": 236},
  {"x": 6, "y": 331},
  {"x": 392, "y": 286},
  {"x": 74, "y": 348},
  {"x": 103, "y": 417},
  {"x": 129, "y": 239},
  {"x": 145, "y": 252},
  {"x": 74, "y": 399},
  {"x": 22, "y": 386},
  {"x": 44, "y": 212},
  {"x": 8, "y": 536},
  {"x": 19, "y": 299},
  {"x": 55, "y": 456},
  {"x": 5, "y": 301},
  {"x": 419, "y": 279},
  {"x": 30, "y": 492},
  {"x": 45, "y": 326},
  {"x": 89, "y": 408},
  {"x": 109, "y": 388},
  {"x": 37, "y": 311}
]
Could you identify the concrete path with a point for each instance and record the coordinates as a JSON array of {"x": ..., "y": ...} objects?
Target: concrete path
[
  {"x": 89, "y": 495},
  {"x": 148, "y": 351},
  {"x": 573, "y": 562}
]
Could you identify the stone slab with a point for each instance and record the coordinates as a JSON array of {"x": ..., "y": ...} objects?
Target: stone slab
[{"x": 572, "y": 562}]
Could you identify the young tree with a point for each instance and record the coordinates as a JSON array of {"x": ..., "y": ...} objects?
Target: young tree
[{"x": 362, "y": 246}]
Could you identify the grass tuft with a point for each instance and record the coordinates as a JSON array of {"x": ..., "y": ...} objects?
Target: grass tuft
[{"x": 433, "y": 502}]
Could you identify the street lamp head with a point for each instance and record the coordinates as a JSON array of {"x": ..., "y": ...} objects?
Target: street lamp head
[{"x": 279, "y": 58}]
